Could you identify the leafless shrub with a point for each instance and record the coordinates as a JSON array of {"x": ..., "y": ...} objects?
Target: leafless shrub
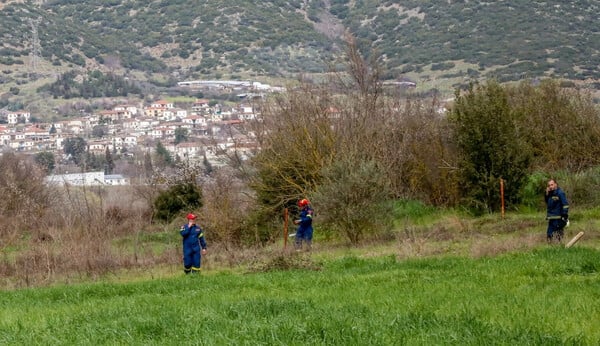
[
  {"x": 351, "y": 121},
  {"x": 562, "y": 125},
  {"x": 225, "y": 209},
  {"x": 25, "y": 197}
]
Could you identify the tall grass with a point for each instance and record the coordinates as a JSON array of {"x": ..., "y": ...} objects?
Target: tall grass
[{"x": 540, "y": 297}]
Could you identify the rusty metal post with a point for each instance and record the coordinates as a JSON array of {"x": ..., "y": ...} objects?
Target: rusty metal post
[
  {"x": 285, "y": 227},
  {"x": 502, "y": 196}
]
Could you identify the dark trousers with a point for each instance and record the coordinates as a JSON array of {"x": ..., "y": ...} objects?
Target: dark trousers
[
  {"x": 555, "y": 226},
  {"x": 191, "y": 260}
]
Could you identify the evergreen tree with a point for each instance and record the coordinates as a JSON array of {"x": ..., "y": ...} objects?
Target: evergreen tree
[
  {"x": 110, "y": 163},
  {"x": 163, "y": 155},
  {"x": 148, "y": 169},
  {"x": 181, "y": 135},
  {"x": 45, "y": 159},
  {"x": 179, "y": 197},
  {"x": 76, "y": 148},
  {"x": 490, "y": 147}
]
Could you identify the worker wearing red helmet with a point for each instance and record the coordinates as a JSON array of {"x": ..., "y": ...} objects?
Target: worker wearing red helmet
[
  {"x": 304, "y": 233},
  {"x": 194, "y": 245}
]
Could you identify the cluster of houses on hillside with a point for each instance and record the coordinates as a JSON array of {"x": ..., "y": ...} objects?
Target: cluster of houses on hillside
[{"x": 133, "y": 128}]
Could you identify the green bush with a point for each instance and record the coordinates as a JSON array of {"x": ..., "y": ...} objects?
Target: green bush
[
  {"x": 532, "y": 193},
  {"x": 490, "y": 146},
  {"x": 353, "y": 199},
  {"x": 177, "y": 198}
]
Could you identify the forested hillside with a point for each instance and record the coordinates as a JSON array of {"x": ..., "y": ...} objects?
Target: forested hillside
[{"x": 168, "y": 41}]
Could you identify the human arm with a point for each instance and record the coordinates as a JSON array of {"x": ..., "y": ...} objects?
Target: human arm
[
  {"x": 564, "y": 213},
  {"x": 184, "y": 231},
  {"x": 202, "y": 241}
]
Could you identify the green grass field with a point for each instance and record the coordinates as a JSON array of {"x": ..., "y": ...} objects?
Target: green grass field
[{"x": 544, "y": 296}]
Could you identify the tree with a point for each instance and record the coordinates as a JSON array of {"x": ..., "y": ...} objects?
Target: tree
[
  {"x": 225, "y": 208},
  {"x": 208, "y": 168},
  {"x": 163, "y": 155},
  {"x": 24, "y": 193},
  {"x": 45, "y": 160},
  {"x": 148, "y": 169},
  {"x": 99, "y": 131},
  {"x": 179, "y": 197},
  {"x": 316, "y": 132},
  {"x": 491, "y": 146},
  {"x": 76, "y": 148},
  {"x": 94, "y": 162},
  {"x": 354, "y": 199},
  {"x": 110, "y": 163},
  {"x": 561, "y": 124},
  {"x": 181, "y": 135}
]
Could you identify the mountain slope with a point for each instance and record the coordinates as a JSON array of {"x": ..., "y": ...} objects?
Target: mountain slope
[{"x": 175, "y": 40}]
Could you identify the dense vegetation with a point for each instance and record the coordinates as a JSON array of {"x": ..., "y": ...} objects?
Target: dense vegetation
[
  {"x": 408, "y": 149},
  {"x": 95, "y": 84}
]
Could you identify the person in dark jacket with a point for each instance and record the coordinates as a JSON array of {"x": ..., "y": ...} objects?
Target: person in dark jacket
[
  {"x": 194, "y": 245},
  {"x": 557, "y": 212},
  {"x": 304, "y": 233}
]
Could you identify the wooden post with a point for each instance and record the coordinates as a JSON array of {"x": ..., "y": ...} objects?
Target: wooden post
[
  {"x": 285, "y": 227},
  {"x": 574, "y": 240},
  {"x": 502, "y": 196}
]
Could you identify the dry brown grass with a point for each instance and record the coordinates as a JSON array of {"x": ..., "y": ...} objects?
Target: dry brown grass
[{"x": 95, "y": 234}]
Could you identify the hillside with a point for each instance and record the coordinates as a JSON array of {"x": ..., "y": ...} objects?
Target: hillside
[{"x": 439, "y": 44}]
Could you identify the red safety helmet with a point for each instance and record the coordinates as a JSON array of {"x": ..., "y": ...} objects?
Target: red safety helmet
[
  {"x": 303, "y": 202},
  {"x": 191, "y": 216}
]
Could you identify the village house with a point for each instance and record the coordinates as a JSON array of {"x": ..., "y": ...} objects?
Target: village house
[
  {"x": 110, "y": 116},
  {"x": 194, "y": 120},
  {"x": 173, "y": 114},
  {"x": 130, "y": 141},
  {"x": 126, "y": 111},
  {"x": 201, "y": 107},
  {"x": 18, "y": 117},
  {"x": 5, "y": 138},
  {"x": 21, "y": 145},
  {"x": 148, "y": 123},
  {"x": 115, "y": 179},
  {"x": 75, "y": 126},
  {"x": 98, "y": 147},
  {"x": 161, "y": 132},
  {"x": 246, "y": 112},
  {"x": 188, "y": 149},
  {"x": 131, "y": 124},
  {"x": 158, "y": 108}
]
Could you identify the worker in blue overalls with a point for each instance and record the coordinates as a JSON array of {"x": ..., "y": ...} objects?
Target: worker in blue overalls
[
  {"x": 304, "y": 233},
  {"x": 194, "y": 245},
  {"x": 557, "y": 212}
]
